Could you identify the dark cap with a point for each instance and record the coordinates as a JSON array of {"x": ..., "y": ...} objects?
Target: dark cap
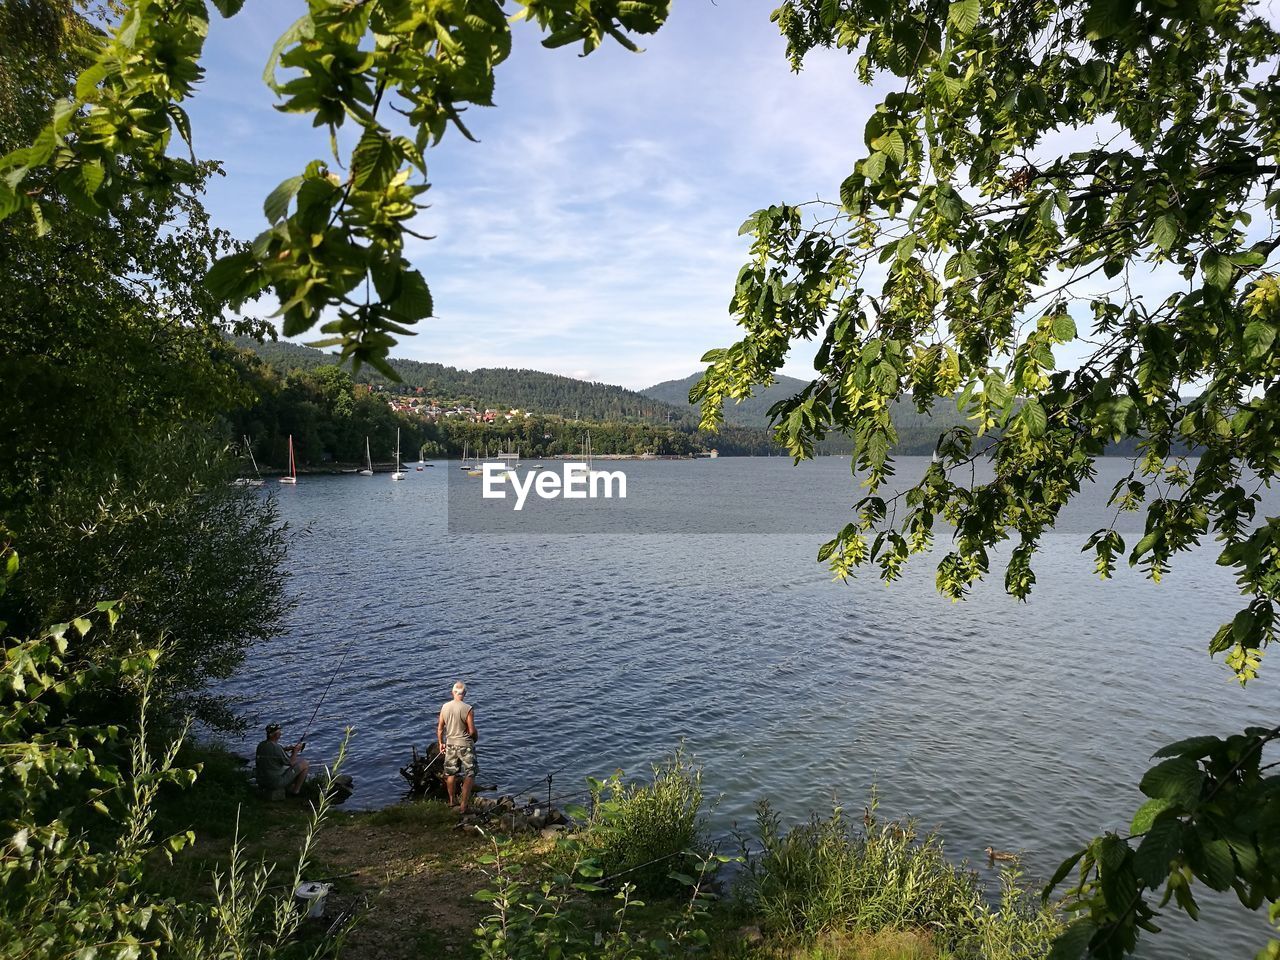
[{"x": 272, "y": 728}]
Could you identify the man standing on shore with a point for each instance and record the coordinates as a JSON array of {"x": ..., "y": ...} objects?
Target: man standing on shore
[
  {"x": 456, "y": 737},
  {"x": 276, "y": 767}
]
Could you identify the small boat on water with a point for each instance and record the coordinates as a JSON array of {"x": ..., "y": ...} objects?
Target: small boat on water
[
  {"x": 510, "y": 461},
  {"x": 399, "y": 474},
  {"x": 293, "y": 465},
  {"x": 254, "y": 481},
  {"x": 465, "y": 465},
  {"x": 368, "y": 460},
  {"x": 587, "y": 454}
]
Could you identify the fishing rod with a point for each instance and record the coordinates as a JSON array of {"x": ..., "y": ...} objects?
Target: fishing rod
[{"x": 333, "y": 676}]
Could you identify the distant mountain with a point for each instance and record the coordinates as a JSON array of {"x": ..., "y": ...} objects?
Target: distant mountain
[
  {"x": 917, "y": 432},
  {"x": 753, "y": 412},
  {"x": 494, "y": 387}
]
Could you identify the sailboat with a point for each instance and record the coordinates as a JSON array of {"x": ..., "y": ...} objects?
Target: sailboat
[
  {"x": 256, "y": 480},
  {"x": 586, "y": 455},
  {"x": 476, "y": 469},
  {"x": 368, "y": 470},
  {"x": 510, "y": 461},
  {"x": 293, "y": 465},
  {"x": 399, "y": 474},
  {"x": 465, "y": 465}
]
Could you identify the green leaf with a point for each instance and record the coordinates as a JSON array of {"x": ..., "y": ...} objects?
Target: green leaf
[
  {"x": 1195, "y": 747},
  {"x": 227, "y": 278},
  {"x": 1216, "y": 868},
  {"x": 1161, "y": 844},
  {"x": 873, "y": 166},
  {"x": 1165, "y": 232},
  {"x": 1178, "y": 780},
  {"x": 894, "y": 147},
  {"x": 1217, "y": 269},
  {"x": 1063, "y": 328},
  {"x": 1258, "y": 337},
  {"x": 87, "y": 82},
  {"x": 1073, "y": 941},
  {"x": 91, "y": 176},
  {"x": 276, "y": 206},
  {"x": 228, "y": 8},
  {"x": 963, "y": 15},
  {"x": 1105, "y": 18},
  {"x": 1034, "y": 418},
  {"x": 1146, "y": 815},
  {"x": 374, "y": 161},
  {"x": 1061, "y": 873},
  {"x": 414, "y": 300},
  {"x": 299, "y": 29}
]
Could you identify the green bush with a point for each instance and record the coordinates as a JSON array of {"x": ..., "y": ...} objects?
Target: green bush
[
  {"x": 78, "y": 816},
  {"x": 640, "y": 832},
  {"x": 821, "y": 878},
  {"x": 535, "y": 917}
]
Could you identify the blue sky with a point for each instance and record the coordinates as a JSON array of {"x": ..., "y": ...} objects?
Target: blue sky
[{"x": 593, "y": 230}]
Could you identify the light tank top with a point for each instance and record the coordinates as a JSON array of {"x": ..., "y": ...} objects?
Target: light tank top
[{"x": 455, "y": 723}]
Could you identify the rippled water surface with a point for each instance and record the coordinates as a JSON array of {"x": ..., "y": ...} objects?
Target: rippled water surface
[{"x": 1022, "y": 726}]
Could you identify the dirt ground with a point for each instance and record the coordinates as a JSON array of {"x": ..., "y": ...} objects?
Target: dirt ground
[{"x": 415, "y": 880}]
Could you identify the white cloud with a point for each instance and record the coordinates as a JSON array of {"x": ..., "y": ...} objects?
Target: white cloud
[{"x": 594, "y": 227}]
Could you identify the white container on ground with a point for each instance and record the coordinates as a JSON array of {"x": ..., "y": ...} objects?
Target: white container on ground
[{"x": 313, "y": 894}]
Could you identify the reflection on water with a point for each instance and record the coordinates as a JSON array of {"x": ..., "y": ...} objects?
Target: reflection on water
[{"x": 1022, "y": 726}]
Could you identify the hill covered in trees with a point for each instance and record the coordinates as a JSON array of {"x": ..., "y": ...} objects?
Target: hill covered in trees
[
  {"x": 606, "y": 408},
  {"x": 497, "y": 387},
  {"x": 752, "y": 412}
]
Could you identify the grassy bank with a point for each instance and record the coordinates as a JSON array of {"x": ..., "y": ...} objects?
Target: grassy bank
[{"x": 638, "y": 879}]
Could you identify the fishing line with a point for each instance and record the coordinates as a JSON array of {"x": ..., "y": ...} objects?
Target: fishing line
[{"x": 333, "y": 676}]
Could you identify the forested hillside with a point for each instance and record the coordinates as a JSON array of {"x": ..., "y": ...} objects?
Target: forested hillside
[
  {"x": 752, "y": 412},
  {"x": 745, "y": 431},
  {"x": 495, "y": 387}
]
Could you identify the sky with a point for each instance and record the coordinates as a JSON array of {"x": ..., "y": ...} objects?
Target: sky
[{"x": 593, "y": 230}]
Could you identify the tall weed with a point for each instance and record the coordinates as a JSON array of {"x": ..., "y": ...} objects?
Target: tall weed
[
  {"x": 822, "y": 877},
  {"x": 639, "y": 831}
]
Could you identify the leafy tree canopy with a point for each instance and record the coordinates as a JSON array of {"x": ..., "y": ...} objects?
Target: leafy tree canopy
[
  {"x": 335, "y": 243},
  {"x": 114, "y": 373},
  {"x": 1037, "y": 171}
]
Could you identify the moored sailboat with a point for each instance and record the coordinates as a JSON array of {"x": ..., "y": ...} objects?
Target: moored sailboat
[
  {"x": 368, "y": 461},
  {"x": 399, "y": 474},
  {"x": 256, "y": 480},
  {"x": 293, "y": 466}
]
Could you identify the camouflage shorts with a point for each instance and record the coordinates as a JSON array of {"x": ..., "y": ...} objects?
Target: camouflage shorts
[{"x": 460, "y": 760}]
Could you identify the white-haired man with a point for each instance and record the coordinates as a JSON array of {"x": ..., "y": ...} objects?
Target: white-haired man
[{"x": 456, "y": 736}]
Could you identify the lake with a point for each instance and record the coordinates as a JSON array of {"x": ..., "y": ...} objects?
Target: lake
[{"x": 599, "y": 634}]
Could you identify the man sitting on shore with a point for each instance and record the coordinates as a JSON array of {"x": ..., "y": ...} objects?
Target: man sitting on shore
[
  {"x": 276, "y": 767},
  {"x": 456, "y": 736}
]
